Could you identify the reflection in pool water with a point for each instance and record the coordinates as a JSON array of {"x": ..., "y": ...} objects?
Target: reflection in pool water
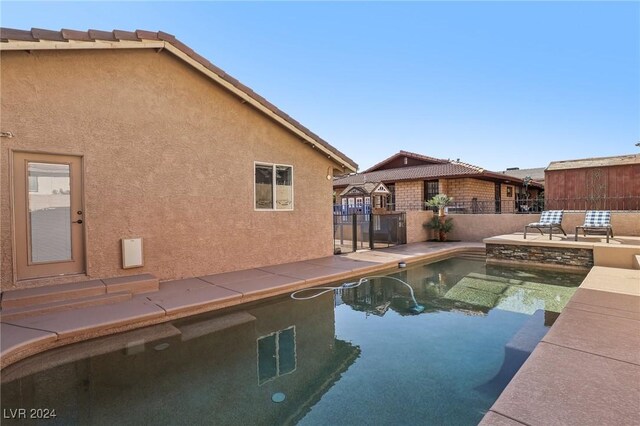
[{"x": 359, "y": 356}]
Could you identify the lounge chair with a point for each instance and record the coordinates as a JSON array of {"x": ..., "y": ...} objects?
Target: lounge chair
[
  {"x": 596, "y": 222},
  {"x": 549, "y": 219}
]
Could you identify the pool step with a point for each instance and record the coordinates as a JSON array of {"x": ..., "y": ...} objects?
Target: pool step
[
  {"x": 132, "y": 284},
  {"x": 517, "y": 350},
  {"x": 208, "y": 326},
  {"x": 8, "y": 314}
]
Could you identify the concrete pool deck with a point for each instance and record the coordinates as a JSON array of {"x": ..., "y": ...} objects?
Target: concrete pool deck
[
  {"x": 586, "y": 370},
  {"x": 25, "y": 331}
]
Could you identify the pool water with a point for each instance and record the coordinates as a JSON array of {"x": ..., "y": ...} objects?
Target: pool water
[{"x": 363, "y": 355}]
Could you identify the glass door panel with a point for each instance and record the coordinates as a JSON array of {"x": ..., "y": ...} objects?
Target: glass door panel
[{"x": 49, "y": 212}]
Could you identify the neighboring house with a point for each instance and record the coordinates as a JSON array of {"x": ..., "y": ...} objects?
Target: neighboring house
[
  {"x": 111, "y": 136},
  {"x": 536, "y": 174},
  {"x": 413, "y": 178},
  {"x": 611, "y": 183},
  {"x": 362, "y": 198}
]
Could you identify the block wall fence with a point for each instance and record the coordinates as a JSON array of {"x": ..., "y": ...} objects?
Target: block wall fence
[{"x": 476, "y": 227}]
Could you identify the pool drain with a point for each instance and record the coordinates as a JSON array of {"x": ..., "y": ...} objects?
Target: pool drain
[{"x": 278, "y": 397}]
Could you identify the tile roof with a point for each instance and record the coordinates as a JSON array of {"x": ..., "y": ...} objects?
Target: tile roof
[
  {"x": 409, "y": 173},
  {"x": 405, "y": 154},
  {"x": 38, "y": 38},
  {"x": 450, "y": 169}
]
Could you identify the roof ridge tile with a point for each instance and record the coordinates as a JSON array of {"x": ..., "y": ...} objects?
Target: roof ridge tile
[
  {"x": 125, "y": 35},
  {"x": 7, "y": 34},
  {"x": 147, "y": 35},
  {"x": 50, "y": 35},
  {"x": 102, "y": 35},
  {"x": 166, "y": 36},
  {"x": 75, "y": 35},
  {"x": 407, "y": 154},
  {"x": 425, "y": 157},
  {"x": 462, "y": 163}
]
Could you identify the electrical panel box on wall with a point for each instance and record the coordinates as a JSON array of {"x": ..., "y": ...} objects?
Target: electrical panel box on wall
[{"x": 132, "y": 253}]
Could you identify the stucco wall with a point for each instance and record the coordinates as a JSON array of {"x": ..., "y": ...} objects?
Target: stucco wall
[
  {"x": 416, "y": 232},
  {"x": 623, "y": 223},
  {"x": 476, "y": 227},
  {"x": 168, "y": 156}
]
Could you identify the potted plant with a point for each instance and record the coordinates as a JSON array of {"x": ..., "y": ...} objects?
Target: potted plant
[
  {"x": 440, "y": 201},
  {"x": 439, "y": 223}
]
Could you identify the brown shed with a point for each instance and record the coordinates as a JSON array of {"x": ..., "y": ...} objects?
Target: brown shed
[{"x": 606, "y": 183}]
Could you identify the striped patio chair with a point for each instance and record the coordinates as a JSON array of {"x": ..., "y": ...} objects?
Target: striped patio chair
[
  {"x": 549, "y": 219},
  {"x": 596, "y": 222}
]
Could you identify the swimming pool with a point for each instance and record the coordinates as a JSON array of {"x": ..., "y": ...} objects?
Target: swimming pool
[{"x": 362, "y": 355}]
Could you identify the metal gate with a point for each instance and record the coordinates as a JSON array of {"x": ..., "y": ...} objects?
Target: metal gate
[{"x": 356, "y": 231}]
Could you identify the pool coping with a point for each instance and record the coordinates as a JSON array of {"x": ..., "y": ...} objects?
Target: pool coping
[
  {"x": 25, "y": 337},
  {"x": 586, "y": 369}
]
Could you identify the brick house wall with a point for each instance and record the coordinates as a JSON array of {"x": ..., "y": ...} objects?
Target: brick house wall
[
  {"x": 409, "y": 195},
  {"x": 465, "y": 189}
]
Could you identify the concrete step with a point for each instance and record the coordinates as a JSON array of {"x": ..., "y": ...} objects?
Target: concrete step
[
  {"x": 63, "y": 305},
  {"x": 133, "y": 284},
  {"x": 51, "y": 293},
  {"x": 636, "y": 261}
]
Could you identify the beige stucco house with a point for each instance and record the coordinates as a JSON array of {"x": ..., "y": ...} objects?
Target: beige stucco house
[{"x": 130, "y": 142}]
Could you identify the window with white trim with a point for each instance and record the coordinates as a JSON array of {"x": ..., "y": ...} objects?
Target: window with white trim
[{"x": 273, "y": 186}]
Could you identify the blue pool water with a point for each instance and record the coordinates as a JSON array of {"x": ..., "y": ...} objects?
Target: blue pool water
[{"x": 355, "y": 356}]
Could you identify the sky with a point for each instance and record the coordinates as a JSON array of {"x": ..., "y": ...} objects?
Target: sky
[{"x": 495, "y": 84}]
